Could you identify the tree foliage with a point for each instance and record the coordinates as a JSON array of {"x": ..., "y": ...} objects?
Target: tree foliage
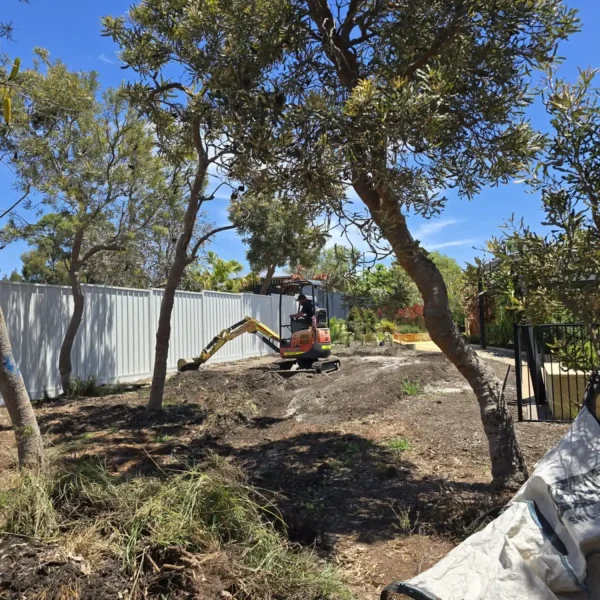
[
  {"x": 555, "y": 274},
  {"x": 379, "y": 289},
  {"x": 89, "y": 163},
  {"x": 277, "y": 232},
  {"x": 218, "y": 274}
]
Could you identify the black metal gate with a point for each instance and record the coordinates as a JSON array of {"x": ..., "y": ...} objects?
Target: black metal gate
[{"x": 553, "y": 364}]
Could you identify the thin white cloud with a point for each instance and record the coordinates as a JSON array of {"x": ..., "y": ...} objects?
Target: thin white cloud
[
  {"x": 430, "y": 228},
  {"x": 451, "y": 244},
  {"x": 105, "y": 59}
]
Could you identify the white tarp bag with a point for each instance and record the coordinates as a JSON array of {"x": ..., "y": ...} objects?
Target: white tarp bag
[{"x": 546, "y": 543}]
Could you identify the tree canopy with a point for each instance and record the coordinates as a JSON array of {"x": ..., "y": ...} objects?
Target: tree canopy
[
  {"x": 558, "y": 271},
  {"x": 277, "y": 232}
]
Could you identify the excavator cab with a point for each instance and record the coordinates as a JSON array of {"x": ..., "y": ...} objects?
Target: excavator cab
[{"x": 302, "y": 343}]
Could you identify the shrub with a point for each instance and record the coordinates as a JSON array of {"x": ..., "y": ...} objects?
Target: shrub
[
  {"x": 361, "y": 321},
  {"x": 408, "y": 328},
  {"x": 387, "y": 328},
  {"x": 338, "y": 329},
  {"x": 412, "y": 315}
]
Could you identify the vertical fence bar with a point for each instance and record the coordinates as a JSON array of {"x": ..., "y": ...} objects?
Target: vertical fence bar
[
  {"x": 482, "y": 336},
  {"x": 518, "y": 370}
]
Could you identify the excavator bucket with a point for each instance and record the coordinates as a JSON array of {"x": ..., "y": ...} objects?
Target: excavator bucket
[{"x": 187, "y": 364}]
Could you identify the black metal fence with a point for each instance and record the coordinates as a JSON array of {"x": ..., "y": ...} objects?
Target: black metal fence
[{"x": 553, "y": 364}]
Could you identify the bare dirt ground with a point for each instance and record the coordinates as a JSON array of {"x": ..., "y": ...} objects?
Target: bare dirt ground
[{"x": 382, "y": 467}]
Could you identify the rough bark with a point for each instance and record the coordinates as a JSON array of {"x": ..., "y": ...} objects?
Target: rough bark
[
  {"x": 264, "y": 288},
  {"x": 508, "y": 466},
  {"x": 163, "y": 333},
  {"x": 181, "y": 260},
  {"x": 29, "y": 440},
  {"x": 65, "y": 366}
]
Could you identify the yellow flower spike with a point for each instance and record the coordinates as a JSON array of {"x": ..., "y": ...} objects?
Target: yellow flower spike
[
  {"x": 7, "y": 110},
  {"x": 15, "y": 70}
]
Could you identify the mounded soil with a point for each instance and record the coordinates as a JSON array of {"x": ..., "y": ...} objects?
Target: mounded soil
[{"x": 382, "y": 466}]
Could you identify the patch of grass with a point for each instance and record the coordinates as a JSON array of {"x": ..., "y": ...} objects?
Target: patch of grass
[
  {"x": 350, "y": 450},
  {"x": 198, "y": 511},
  {"x": 87, "y": 388},
  {"x": 162, "y": 438},
  {"x": 411, "y": 387},
  {"x": 28, "y": 509},
  {"x": 404, "y": 522},
  {"x": 399, "y": 444}
]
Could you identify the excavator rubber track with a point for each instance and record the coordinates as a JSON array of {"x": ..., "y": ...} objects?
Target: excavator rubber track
[{"x": 331, "y": 364}]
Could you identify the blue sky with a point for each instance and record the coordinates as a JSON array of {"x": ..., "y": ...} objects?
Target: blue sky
[{"x": 70, "y": 30}]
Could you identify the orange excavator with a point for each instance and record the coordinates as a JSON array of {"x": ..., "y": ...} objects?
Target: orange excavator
[{"x": 306, "y": 348}]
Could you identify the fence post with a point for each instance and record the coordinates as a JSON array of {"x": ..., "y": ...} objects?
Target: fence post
[
  {"x": 535, "y": 367},
  {"x": 518, "y": 369},
  {"x": 482, "y": 340},
  {"x": 152, "y": 327}
]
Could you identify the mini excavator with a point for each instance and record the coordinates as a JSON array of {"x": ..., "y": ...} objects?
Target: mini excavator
[{"x": 306, "y": 349}]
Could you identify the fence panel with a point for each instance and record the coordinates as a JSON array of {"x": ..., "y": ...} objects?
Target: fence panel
[
  {"x": 260, "y": 308},
  {"x": 223, "y": 310},
  {"x": 187, "y": 335}
]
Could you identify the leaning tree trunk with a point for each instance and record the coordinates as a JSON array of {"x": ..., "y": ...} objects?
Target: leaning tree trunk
[
  {"x": 65, "y": 366},
  {"x": 508, "y": 466},
  {"x": 181, "y": 260},
  {"x": 264, "y": 288},
  {"x": 163, "y": 333},
  {"x": 22, "y": 417}
]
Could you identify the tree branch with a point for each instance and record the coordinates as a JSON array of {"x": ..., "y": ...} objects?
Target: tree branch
[
  {"x": 8, "y": 210},
  {"x": 205, "y": 238},
  {"x": 99, "y": 248},
  {"x": 444, "y": 36},
  {"x": 348, "y": 24}
]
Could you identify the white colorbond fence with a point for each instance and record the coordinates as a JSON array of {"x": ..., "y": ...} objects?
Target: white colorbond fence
[{"x": 116, "y": 339}]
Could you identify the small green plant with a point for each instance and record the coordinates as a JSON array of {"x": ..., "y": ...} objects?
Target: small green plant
[
  {"x": 404, "y": 521},
  {"x": 387, "y": 329},
  {"x": 411, "y": 387},
  {"x": 349, "y": 450},
  {"x": 399, "y": 444},
  {"x": 162, "y": 438},
  {"x": 87, "y": 388}
]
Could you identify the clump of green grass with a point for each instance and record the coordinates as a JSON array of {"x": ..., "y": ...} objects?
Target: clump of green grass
[
  {"x": 199, "y": 511},
  {"x": 411, "y": 387},
  {"x": 399, "y": 444},
  {"x": 29, "y": 508},
  {"x": 162, "y": 438},
  {"x": 89, "y": 388}
]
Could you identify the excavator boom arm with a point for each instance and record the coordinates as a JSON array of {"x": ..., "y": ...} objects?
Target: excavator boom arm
[{"x": 246, "y": 325}]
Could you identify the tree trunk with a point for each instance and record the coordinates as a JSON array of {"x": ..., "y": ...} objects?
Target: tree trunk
[
  {"x": 180, "y": 262},
  {"x": 65, "y": 366},
  {"x": 508, "y": 466},
  {"x": 264, "y": 288},
  {"x": 163, "y": 333},
  {"x": 29, "y": 440}
]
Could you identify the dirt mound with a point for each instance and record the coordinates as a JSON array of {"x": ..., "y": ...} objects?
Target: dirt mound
[
  {"x": 30, "y": 569},
  {"x": 371, "y": 350}
]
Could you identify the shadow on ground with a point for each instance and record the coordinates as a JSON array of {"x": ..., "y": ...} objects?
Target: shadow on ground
[{"x": 325, "y": 484}]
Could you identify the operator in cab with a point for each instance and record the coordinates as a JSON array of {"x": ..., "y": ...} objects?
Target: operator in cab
[{"x": 307, "y": 310}]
